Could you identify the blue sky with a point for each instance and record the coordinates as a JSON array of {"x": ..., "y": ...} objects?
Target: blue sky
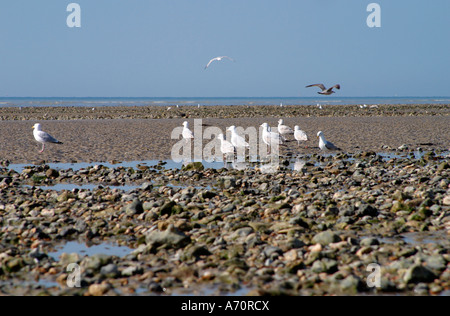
[{"x": 158, "y": 48}]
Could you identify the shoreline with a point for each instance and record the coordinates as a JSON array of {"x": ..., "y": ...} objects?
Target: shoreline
[{"x": 216, "y": 111}]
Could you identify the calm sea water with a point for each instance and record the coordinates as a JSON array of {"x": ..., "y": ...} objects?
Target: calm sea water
[{"x": 97, "y": 102}]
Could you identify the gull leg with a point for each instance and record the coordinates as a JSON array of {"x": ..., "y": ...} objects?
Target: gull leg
[{"x": 43, "y": 147}]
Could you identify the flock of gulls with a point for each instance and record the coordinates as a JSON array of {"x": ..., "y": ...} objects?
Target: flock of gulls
[{"x": 269, "y": 137}]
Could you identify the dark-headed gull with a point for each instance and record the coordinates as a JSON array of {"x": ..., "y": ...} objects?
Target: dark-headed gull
[
  {"x": 325, "y": 91},
  {"x": 43, "y": 137}
]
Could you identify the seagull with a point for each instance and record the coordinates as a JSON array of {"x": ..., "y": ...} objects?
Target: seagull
[
  {"x": 325, "y": 91},
  {"x": 324, "y": 144},
  {"x": 236, "y": 140},
  {"x": 218, "y": 59},
  {"x": 300, "y": 135},
  {"x": 225, "y": 147},
  {"x": 270, "y": 138},
  {"x": 43, "y": 137},
  {"x": 284, "y": 129},
  {"x": 319, "y": 106},
  {"x": 187, "y": 133}
]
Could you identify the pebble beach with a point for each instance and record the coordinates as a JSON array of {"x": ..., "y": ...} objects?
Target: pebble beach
[{"x": 314, "y": 226}]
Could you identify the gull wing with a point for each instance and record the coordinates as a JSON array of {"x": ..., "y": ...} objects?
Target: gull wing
[
  {"x": 331, "y": 146},
  {"x": 47, "y": 138},
  {"x": 338, "y": 86},
  {"x": 321, "y": 86}
]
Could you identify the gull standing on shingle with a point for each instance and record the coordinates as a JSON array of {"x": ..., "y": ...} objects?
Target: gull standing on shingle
[
  {"x": 270, "y": 138},
  {"x": 284, "y": 129},
  {"x": 226, "y": 147},
  {"x": 43, "y": 137},
  {"x": 236, "y": 140},
  {"x": 300, "y": 135},
  {"x": 324, "y": 144},
  {"x": 187, "y": 133}
]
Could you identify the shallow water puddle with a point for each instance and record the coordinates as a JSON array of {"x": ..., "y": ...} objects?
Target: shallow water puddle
[
  {"x": 108, "y": 249},
  {"x": 237, "y": 165},
  {"x": 422, "y": 238}
]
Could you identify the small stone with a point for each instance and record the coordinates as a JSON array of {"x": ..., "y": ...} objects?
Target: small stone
[
  {"x": 418, "y": 274},
  {"x": 194, "y": 166},
  {"x": 96, "y": 261},
  {"x": 171, "y": 238},
  {"x": 351, "y": 285},
  {"x": 367, "y": 210},
  {"x": 134, "y": 208},
  {"x": 316, "y": 248},
  {"x": 443, "y": 166},
  {"x": 369, "y": 242},
  {"x": 326, "y": 238},
  {"x": 291, "y": 255},
  {"x": 446, "y": 200},
  {"x": 99, "y": 289},
  {"x": 52, "y": 173},
  {"x": 110, "y": 271}
]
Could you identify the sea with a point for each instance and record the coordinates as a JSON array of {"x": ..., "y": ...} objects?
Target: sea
[{"x": 206, "y": 101}]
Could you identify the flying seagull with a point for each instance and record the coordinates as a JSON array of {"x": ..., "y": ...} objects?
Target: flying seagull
[
  {"x": 325, "y": 91},
  {"x": 43, "y": 137},
  {"x": 324, "y": 144},
  {"x": 220, "y": 58}
]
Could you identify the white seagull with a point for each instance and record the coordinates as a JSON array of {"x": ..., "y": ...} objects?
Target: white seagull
[
  {"x": 300, "y": 135},
  {"x": 220, "y": 58},
  {"x": 325, "y": 91},
  {"x": 226, "y": 147},
  {"x": 187, "y": 133},
  {"x": 284, "y": 129},
  {"x": 324, "y": 144},
  {"x": 270, "y": 138},
  {"x": 43, "y": 137},
  {"x": 236, "y": 140}
]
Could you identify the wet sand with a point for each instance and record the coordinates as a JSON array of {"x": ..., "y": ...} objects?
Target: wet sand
[{"x": 136, "y": 139}]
